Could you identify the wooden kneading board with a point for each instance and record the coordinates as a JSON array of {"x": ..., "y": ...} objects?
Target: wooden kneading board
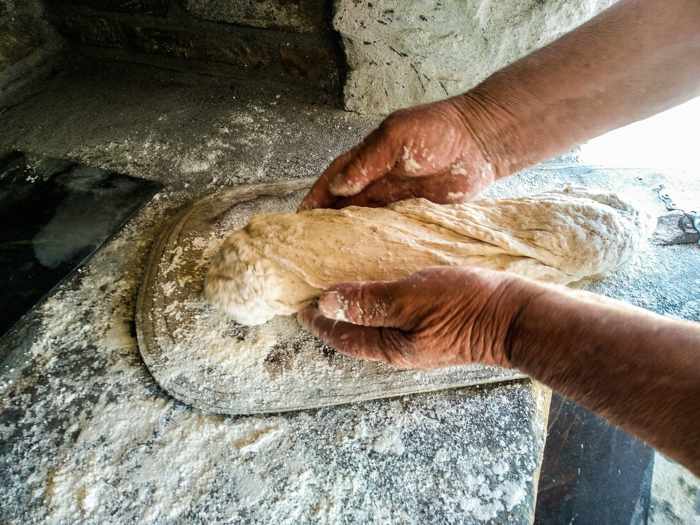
[{"x": 205, "y": 359}]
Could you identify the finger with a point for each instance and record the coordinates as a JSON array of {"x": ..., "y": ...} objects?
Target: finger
[
  {"x": 374, "y": 158},
  {"x": 363, "y": 342},
  {"x": 319, "y": 195},
  {"x": 364, "y": 303},
  {"x": 442, "y": 189},
  {"x": 382, "y": 192}
]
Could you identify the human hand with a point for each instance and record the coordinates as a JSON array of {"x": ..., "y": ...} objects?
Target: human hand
[
  {"x": 437, "y": 317},
  {"x": 428, "y": 151}
]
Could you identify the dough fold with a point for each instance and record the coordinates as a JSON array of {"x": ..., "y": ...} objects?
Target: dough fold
[{"x": 279, "y": 262}]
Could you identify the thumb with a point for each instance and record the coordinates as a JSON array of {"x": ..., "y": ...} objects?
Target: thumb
[
  {"x": 372, "y": 160},
  {"x": 370, "y": 303}
]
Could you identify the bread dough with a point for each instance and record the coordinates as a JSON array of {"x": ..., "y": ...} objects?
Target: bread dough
[{"x": 280, "y": 262}]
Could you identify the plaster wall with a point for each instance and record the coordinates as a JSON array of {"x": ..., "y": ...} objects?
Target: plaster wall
[{"x": 404, "y": 53}]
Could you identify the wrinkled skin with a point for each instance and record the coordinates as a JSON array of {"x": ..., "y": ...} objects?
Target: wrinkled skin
[
  {"x": 434, "y": 318},
  {"x": 427, "y": 151},
  {"x": 638, "y": 369}
]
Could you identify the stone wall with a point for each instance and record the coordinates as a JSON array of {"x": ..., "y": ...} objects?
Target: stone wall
[
  {"x": 27, "y": 43},
  {"x": 402, "y": 53},
  {"x": 289, "y": 41},
  {"x": 384, "y": 54}
]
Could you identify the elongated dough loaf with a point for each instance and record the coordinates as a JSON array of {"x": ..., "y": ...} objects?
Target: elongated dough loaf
[{"x": 279, "y": 262}]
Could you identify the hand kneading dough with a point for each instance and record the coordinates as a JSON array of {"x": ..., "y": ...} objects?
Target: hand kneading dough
[{"x": 279, "y": 262}]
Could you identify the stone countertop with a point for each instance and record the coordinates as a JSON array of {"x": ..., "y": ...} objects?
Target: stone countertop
[{"x": 87, "y": 436}]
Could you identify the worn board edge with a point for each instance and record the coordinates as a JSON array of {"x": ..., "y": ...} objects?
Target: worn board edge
[
  {"x": 213, "y": 409},
  {"x": 145, "y": 332}
]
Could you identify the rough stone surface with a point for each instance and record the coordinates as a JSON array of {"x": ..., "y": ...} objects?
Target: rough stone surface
[
  {"x": 403, "y": 53},
  {"x": 147, "y": 7},
  {"x": 195, "y": 131},
  {"x": 17, "y": 36},
  {"x": 86, "y": 436},
  {"x": 675, "y": 494},
  {"x": 27, "y": 42},
  {"x": 256, "y": 54},
  {"x": 304, "y": 16}
]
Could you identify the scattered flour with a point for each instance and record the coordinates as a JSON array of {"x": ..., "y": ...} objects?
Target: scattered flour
[
  {"x": 88, "y": 437},
  {"x": 205, "y": 359},
  {"x": 75, "y": 369},
  {"x": 675, "y": 494}
]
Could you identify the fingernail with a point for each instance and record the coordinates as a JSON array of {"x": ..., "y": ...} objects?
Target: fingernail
[{"x": 333, "y": 306}]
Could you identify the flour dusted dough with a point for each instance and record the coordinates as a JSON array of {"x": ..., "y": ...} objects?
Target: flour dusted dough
[{"x": 279, "y": 262}]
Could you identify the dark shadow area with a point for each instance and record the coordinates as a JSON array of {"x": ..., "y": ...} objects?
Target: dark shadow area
[{"x": 592, "y": 472}]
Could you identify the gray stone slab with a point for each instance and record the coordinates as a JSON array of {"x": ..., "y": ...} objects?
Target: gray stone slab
[
  {"x": 675, "y": 494},
  {"x": 183, "y": 130},
  {"x": 85, "y": 432},
  {"x": 86, "y": 435}
]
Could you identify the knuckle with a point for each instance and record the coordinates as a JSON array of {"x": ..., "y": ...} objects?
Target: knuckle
[
  {"x": 392, "y": 127},
  {"x": 366, "y": 302},
  {"x": 356, "y": 170}
]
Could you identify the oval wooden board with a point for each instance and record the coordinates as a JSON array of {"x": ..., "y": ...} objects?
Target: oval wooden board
[{"x": 205, "y": 359}]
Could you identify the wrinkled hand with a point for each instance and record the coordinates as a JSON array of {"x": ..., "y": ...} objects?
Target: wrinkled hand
[
  {"x": 434, "y": 318},
  {"x": 428, "y": 151}
]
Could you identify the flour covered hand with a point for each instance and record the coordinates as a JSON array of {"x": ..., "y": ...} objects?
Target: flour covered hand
[
  {"x": 434, "y": 318},
  {"x": 636, "y": 368},
  {"x": 428, "y": 151}
]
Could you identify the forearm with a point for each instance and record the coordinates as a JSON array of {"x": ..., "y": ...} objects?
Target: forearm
[
  {"x": 639, "y": 370},
  {"x": 633, "y": 60}
]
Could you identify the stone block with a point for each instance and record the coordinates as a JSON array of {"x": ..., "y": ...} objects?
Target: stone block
[
  {"x": 404, "y": 53},
  {"x": 304, "y": 16},
  {"x": 284, "y": 57}
]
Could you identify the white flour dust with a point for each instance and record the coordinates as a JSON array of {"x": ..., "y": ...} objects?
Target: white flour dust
[
  {"x": 89, "y": 438},
  {"x": 206, "y": 359}
]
